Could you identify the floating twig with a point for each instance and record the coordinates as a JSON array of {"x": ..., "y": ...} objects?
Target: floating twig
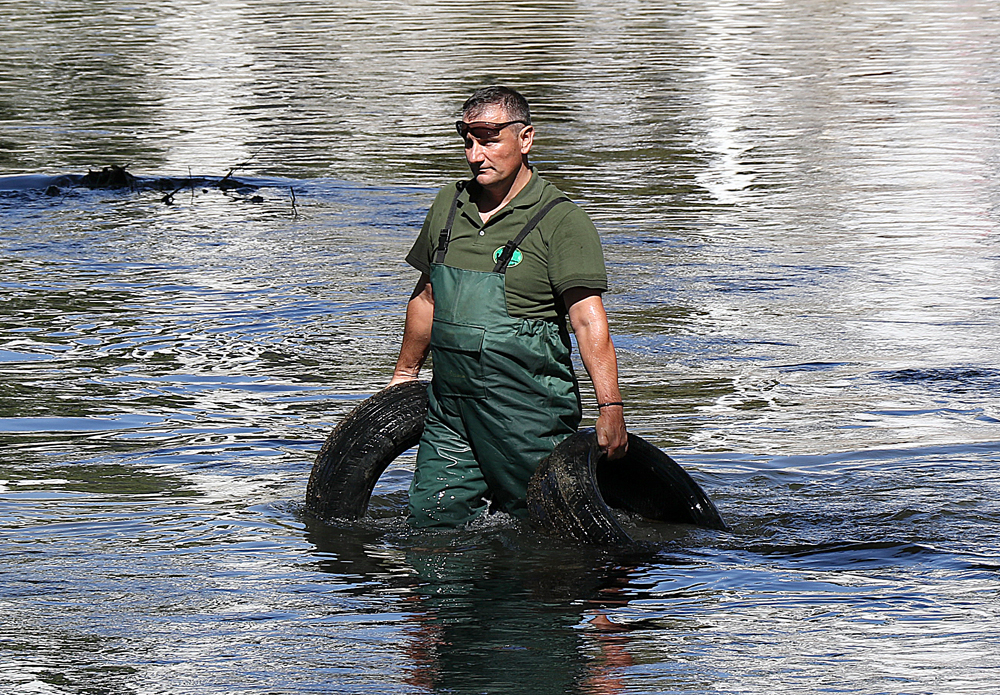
[
  {"x": 295, "y": 211},
  {"x": 169, "y": 197},
  {"x": 223, "y": 183}
]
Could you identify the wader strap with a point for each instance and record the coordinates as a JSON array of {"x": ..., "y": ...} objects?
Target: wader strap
[
  {"x": 511, "y": 246},
  {"x": 445, "y": 237}
]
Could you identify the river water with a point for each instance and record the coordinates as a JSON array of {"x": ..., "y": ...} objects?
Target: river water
[{"x": 799, "y": 206}]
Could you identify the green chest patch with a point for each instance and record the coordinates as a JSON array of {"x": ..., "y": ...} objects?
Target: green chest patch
[{"x": 514, "y": 260}]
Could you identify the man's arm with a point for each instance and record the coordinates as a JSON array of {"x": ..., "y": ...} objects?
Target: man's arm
[
  {"x": 416, "y": 333},
  {"x": 590, "y": 323}
]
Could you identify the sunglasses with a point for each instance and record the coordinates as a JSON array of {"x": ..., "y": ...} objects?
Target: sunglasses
[{"x": 482, "y": 130}]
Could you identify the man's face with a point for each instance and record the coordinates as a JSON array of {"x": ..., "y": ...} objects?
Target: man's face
[{"x": 497, "y": 161}]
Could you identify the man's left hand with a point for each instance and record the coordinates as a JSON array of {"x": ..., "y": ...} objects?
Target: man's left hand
[{"x": 611, "y": 433}]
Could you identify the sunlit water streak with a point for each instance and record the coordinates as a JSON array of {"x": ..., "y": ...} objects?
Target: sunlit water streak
[{"x": 799, "y": 208}]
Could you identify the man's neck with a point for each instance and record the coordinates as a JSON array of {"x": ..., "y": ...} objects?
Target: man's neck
[{"x": 491, "y": 200}]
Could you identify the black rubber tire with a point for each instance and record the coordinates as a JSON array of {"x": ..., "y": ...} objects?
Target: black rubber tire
[
  {"x": 569, "y": 496},
  {"x": 563, "y": 497},
  {"x": 574, "y": 488},
  {"x": 361, "y": 447}
]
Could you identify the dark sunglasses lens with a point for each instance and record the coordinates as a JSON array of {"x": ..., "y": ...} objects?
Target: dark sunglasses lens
[
  {"x": 479, "y": 132},
  {"x": 482, "y": 132}
]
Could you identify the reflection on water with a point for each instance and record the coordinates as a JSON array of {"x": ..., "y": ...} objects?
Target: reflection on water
[
  {"x": 799, "y": 210},
  {"x": 487, "y": 614}
]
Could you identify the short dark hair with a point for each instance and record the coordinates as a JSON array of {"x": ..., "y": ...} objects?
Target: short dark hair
[{"x": 513, "y": 104}]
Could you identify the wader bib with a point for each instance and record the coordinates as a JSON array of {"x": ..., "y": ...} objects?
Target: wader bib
[{"x": 503, "y": 395}]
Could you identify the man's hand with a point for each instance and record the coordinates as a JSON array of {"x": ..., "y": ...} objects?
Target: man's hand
[
  {"x": 611, "y": 433},
  {"x": 402, "y": 378}
]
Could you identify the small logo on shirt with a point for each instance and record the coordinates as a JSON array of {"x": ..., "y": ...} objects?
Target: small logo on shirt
[{"x": 514, "y": 260}]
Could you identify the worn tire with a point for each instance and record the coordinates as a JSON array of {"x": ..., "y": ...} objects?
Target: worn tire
[
  {"x": 570, "y": 495},
  {"x": 360, "y": 448},
  {"x": 574, "y": 488}
]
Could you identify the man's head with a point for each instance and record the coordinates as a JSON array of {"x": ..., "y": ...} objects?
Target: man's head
[
  {"x": 496, "y": 127},
  {"x": 515, "y": 106}
]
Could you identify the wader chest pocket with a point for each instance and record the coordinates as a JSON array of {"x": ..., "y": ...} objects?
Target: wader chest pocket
[{"x": 458, "y": 367}]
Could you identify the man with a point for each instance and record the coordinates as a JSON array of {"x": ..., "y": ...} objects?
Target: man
[{"x": 504, "y": 259}]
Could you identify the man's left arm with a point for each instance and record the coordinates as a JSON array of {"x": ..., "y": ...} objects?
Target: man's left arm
[{"x": 590, "y": 324}]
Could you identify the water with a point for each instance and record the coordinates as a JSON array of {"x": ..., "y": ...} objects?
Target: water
[{"x": 799, "y": 208}]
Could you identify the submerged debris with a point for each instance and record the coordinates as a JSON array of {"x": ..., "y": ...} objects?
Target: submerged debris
[
  {"x": 113, "y": 177},
  {"x": 117, "y": 178}
]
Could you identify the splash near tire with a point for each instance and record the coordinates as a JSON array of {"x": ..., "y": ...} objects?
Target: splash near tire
[
  {"x": 362, "y": 446},
  {"x": 574, "y": 488}
]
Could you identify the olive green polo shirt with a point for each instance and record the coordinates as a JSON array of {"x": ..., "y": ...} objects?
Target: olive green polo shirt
[{"x": 562, "y": 252}]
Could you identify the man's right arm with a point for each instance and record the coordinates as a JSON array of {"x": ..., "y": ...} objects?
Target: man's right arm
[{"x": 416, "y": 333}]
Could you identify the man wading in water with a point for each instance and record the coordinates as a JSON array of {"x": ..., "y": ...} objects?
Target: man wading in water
[{"x": 504, "y": 259}]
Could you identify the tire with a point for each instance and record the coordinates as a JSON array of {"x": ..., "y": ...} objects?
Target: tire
[
  {"x": 361, "y": 447},
  {"x": 574, "y": 488},
  {"x": 570, "y": 495}
]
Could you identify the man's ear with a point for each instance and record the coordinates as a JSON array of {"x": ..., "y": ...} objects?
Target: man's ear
[{"x": 527, "y": 138}]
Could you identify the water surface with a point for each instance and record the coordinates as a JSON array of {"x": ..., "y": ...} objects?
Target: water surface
[{"x": 799, "y": 209}]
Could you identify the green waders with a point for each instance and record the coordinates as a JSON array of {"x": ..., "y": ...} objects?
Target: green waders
[{"x": 503, "y": 395}]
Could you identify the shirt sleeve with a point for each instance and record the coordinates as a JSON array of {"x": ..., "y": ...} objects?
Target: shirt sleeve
[
  {"x": 422, "y": 252},
  {"x": 419, "y": 255},
  {"x": 575, "y": 255}
]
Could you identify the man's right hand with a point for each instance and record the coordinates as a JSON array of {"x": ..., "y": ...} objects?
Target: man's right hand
[{"x": 400, "y": 378}]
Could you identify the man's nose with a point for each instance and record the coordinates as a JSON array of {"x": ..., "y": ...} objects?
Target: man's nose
[{"x": 474, "y": 152}]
